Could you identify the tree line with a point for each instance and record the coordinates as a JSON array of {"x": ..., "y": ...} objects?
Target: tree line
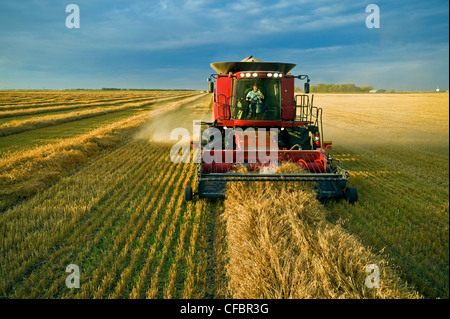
[{"x": 338, "y": 88}]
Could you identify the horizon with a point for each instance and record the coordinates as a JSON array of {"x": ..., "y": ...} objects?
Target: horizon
[
  {"x": 182, "y": 89},
  {"x": 170, "y": 44}
]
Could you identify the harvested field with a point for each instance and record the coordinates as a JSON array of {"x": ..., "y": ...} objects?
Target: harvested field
[{"x": 86, "y": 179}]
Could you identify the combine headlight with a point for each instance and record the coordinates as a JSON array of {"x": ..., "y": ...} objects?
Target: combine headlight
[
  {"x": 280, "y": 75},
  {"x": 247, "y": 75},
  {"x": 269, "y": 75},
  {"x": 275, "y": 75},
  {"x": 255, "y": 75},
  {"x": 242, "y": 75}
]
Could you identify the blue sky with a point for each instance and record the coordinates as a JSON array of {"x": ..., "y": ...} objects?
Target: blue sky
[{"x": 170, "y": 44}]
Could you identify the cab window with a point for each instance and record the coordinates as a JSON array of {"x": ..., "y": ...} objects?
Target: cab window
[{"x": 264, "y": 106}]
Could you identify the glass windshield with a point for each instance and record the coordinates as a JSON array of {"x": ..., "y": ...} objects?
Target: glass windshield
[{"x": 257, "y": 99}]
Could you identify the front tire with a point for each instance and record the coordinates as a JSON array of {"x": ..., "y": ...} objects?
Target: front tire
[
  {"x": 351, "y": 195},
  {"x": 188, "y": 193}
]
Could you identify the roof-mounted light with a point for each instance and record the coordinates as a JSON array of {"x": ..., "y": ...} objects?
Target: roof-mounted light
[
  {"x": 255, "y": 75},
  {"x": 269, "y": 75},
  {"x": 248, "y": 75}
]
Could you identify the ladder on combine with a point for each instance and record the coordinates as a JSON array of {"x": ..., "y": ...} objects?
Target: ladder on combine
[
  {"x": 223, "y": 107},
  {"x": 305, "y": 111}
]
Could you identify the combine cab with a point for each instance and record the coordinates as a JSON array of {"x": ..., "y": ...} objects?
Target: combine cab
[{"x": 260, "y": 123}]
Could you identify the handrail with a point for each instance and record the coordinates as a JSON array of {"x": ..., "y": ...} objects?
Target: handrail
[
  {"x": 308, "y": 113},
  {"x": 225, "y": 108},
  {"x": 303, "y": 107}
]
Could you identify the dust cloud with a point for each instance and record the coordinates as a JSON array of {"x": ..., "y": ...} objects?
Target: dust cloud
[{"x": 179, "y": 114}]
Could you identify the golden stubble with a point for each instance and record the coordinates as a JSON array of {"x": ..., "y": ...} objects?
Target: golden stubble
[{"x": 280, "y": 245}]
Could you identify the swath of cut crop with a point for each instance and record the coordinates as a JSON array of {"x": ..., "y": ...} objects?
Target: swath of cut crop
[{"x": 281, "y": 245}]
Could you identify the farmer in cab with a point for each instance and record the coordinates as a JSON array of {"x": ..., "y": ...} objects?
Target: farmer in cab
[{"x": 255, "y": 98}]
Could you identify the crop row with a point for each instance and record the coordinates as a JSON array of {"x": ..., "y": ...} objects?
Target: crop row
[
  {"x": 26, "y": 100},
  {"x": 60, "y": 107},
  {"x": 402, "y": 210},
  {"x": 16, "y": 126}
]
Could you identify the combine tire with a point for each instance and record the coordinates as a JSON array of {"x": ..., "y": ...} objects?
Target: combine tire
[
  {"x": 188, "y": 193},
  {"x": 351, "y": 195}
]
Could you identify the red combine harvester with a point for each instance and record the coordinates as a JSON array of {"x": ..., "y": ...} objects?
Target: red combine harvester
[{"x": 252, "y": 94}]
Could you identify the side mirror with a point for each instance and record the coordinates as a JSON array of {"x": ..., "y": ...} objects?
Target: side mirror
[
  {"x": 210, "y": 87},
  {"x": 306, "y": 87}
]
